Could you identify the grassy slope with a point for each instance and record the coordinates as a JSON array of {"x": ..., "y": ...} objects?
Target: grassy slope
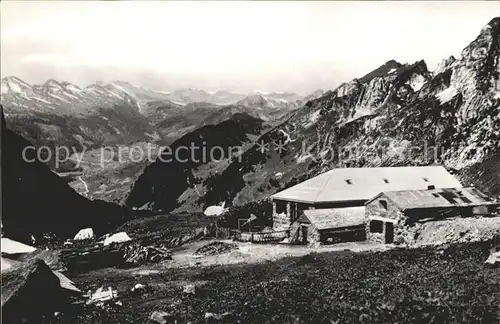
[{"x": 401, "y": 286}]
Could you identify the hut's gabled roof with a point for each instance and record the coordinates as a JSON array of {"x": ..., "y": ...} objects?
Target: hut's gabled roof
[
  {"x": 324, "y": 219},
  {"x": 354, "y": 184},
  {"x": 438, "y": 198}
]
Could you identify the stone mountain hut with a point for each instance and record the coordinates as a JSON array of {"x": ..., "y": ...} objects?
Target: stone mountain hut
[
  {"x": 330, "y": 225},
  {"x": 390, "y": 214},
  {"x": 352, "y": 187}
]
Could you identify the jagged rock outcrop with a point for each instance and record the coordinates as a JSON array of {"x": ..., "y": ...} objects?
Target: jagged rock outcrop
[
  {"x": 30, "y": 292},
  {"x": 444, "y": 65}
]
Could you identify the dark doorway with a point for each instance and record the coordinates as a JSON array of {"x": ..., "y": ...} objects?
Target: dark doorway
[
  {"x": 389, "y": 233},
  {"x": 304, "y": 234}
]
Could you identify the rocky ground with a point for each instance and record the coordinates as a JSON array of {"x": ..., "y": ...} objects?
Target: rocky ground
[
  {"x": 222, "y": 281},
  {"x": 458, "y": 231},
  {"x": 445, "y": 285}
]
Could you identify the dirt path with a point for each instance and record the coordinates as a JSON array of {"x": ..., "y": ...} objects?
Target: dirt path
[
  {"x": 247, "y": 253},
  {"x": 86, "y": 188}
]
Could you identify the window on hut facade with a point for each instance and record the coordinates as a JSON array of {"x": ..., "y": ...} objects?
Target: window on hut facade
[
  {"x": 376, "y": 226},
  {"x": 280, "y": 206},
  {"x": 382, "y": 204}
]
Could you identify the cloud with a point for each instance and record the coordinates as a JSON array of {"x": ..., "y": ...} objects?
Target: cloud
[{"x": 280, "y": 46}]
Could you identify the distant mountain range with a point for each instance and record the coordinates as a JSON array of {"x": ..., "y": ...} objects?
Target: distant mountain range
[
  {"x": 64, "y": 97},
  {"x": 120, "y": 113}
]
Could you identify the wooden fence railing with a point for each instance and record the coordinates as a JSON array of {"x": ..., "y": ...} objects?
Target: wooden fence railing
[{"x": 258, "y": 237}]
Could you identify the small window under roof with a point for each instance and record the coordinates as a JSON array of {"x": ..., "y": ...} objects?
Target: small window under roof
[{"x": 348, "y": 181}]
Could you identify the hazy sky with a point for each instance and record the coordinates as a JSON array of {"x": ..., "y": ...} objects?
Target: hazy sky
[{"x": 239, "y": 46}]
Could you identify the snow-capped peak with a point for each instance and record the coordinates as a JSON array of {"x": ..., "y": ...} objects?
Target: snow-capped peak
[{"x": 15, "y": 85}]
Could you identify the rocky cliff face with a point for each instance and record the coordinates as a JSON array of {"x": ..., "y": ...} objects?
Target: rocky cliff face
[{"x": 398, "y": 114}]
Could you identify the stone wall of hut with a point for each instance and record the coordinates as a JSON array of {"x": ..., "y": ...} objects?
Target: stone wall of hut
[{"x": 376, "y": 213}]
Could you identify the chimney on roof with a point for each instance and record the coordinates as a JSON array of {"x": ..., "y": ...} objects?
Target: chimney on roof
[{"x": 430, "y": 187}]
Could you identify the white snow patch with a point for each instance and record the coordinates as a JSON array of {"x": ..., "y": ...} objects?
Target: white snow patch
[
  {"x": 138, "y": 287},
  {"x": 21, "y": 82},
  {"x": 447, "y": 94},
  {"x": 417, "y": 82},
  {"x": 57, "y": 97},
  {"x": 392, "y": 70},
  {"x": 42, "y": 100},
  {"x": 132, "y": 95},
  {"x": 73, "y": 88},
  {"x": 14, "y": 87},
  {"x": 288, "y": 138},
  {"x": 178, "y": 103},
  {"x": 323, "y": 153},
  {"x": 117, "y": 238},
  {"x": 6, "y": 264},
  {"x": 303, "y": 158},
  {"x": 215, "y": 210},
  {"x": 70, "y": 95},
  {"x": 127, "y": 180},
  {"x": 263, "y": 117},
  {"x": 5, "y": 88},
  {"x": 115, "y": 95},
  {"x": 85, "y": 185},
  {"x": 84, "y": 234},
  {"x": 315, "y": 116}
]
